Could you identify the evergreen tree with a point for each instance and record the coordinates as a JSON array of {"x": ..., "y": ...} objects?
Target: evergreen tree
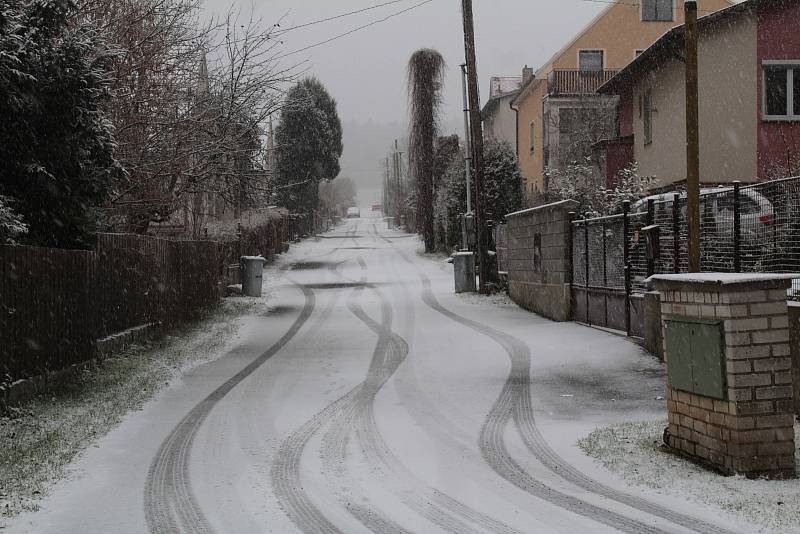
[
  {"x": 56, "y": 144},
  {"x": 308, "y": 145},
  {"x": 501, "y": 195}
]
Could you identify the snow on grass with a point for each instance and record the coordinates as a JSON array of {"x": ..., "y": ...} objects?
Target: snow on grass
[
  {"x": 499, "y": 298},
  {"x": 39, "y": 439},
  {"x": 633, "y": 451}
]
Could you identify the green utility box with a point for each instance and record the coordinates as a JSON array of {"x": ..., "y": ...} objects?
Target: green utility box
[{"x": 696, "y": 356}]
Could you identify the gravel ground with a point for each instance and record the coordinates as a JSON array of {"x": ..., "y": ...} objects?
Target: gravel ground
[
  {"x": 40, "y": 438},
  {"x": 633, "y": 451}
]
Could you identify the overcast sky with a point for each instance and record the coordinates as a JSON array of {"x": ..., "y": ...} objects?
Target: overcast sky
[{"x": 366, "y": 71}]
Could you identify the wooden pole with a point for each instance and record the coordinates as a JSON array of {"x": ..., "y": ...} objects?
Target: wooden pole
[
  {"x": 692, "y": 137},
  {"x": 477, "y": 143}
]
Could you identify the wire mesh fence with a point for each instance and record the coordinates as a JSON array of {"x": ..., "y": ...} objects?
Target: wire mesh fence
[{"x": 753, "y": 228}]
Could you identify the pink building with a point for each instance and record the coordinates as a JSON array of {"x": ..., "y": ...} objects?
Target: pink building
[{"x": 749, "y": 76}]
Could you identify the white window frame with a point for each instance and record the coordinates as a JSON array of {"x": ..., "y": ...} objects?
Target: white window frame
[
  {"x": 790, "y": 65},
  {"x": 603, "y": 54},
  {"x": 641, "y": 13}
]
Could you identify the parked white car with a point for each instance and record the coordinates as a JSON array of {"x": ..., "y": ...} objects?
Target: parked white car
[
  {"x": 756, "y": 215},
  {"x": 353, "y": 213}
]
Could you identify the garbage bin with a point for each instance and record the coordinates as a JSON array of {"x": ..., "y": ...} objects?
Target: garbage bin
[
  {"x": 464, "y": 271},
  {"x": 251, "y": 268}
]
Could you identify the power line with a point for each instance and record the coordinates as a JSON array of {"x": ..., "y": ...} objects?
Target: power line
[
  {"x": 354, "y": 30},
  {"x": 320, "y": 21}
]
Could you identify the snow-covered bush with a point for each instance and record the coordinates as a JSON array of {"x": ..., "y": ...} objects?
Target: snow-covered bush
[
  {"x": 579, "y": 181},
  {"x": 56, "y": 142},
  {"x": 501, "y": 191},
  {"x": 11, "y": 224}
]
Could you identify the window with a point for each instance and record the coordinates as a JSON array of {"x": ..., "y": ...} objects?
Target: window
[
  {"x": 638, "y": 53},
  {"x": 781, "y": 89},
  {"x": 657, "y": 10},
  {"x": 532, "y": 136},
  {"x": 647, "y": 116},
  {"x": 590, "y": 60}
]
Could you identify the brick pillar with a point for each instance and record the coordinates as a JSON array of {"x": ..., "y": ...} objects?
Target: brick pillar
[{"x": 739, "y": 420}]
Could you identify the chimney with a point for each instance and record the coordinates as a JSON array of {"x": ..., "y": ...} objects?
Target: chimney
[{"x": 527, "y": 74}]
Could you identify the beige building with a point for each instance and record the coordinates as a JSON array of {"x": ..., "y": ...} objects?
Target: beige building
[
  {"x": 499, "y": 120},
  {"x": 653, "y": 88},
  {"x": 560, "y": 96}
]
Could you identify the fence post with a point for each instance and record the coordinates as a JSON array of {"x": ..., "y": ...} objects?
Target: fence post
[
  {"x": 651, "y": 219},
  {"x": 571, "y": 259},
  {"x": 570, "y": 240},
  {"x": 676, "y": 232},
  {"x": 737, "y": 226},
  {"x": 586, "y": 266},
  {"x": 626, "y": 207}
]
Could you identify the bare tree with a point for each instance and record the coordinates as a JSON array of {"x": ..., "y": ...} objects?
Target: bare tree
[
  {"x": 573, "y": 125},
  {"x": 190, "y": 110},
  {"x": 425, "y": 77}
]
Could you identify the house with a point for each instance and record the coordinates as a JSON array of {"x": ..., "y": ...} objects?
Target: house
[
  {"x": 749, "y": 97},
  {"x": 559, "y": 114},
  {"x": 499, "y": 120}
]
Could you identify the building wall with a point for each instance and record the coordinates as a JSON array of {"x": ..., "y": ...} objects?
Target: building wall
[
  {"x": 501, "y": 123},
  {"x": 530, "y": 161},
  {"x": 619, "y": 32},
  {"x": 625, "y": 113},
  {"x": 728, "y": 126},
  {"x": 778, "y": 142}
]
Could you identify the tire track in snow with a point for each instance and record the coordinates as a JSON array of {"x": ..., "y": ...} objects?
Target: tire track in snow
[
  {"x": 287, "y": 483},
  {"x": 170, "y": 505},
  {"x": 390, "y": 352},
  {"x": 515, "y": 404}
]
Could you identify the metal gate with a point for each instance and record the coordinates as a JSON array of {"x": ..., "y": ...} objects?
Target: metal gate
[{"x": 601, "y": 282}]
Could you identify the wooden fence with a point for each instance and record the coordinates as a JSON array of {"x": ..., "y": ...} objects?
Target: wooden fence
[{"x": 54, "y": 304}]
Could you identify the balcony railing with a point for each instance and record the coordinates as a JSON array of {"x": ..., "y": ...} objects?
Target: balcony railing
[{"x": 577, "y": 82}]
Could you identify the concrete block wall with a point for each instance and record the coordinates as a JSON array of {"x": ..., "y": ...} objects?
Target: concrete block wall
[
  {"x": 751, "y": 431},
  {"x": 538, "y": 280}
]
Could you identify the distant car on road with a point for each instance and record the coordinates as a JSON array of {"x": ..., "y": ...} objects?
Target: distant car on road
[
  {"x": 377, "y": 206},
  {"x": 353, "y": 213}
]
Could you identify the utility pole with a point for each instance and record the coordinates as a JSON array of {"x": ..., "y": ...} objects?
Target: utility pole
[
  {"x": 467, "y": 144},
  {"x": 692, "y": 137},
  {"x": 477, "y": 142},
  {"x": 397, "y": 166},
  {"x": 389, "y": 197}
]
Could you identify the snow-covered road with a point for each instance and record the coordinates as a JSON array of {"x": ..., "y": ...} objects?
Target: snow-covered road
[{"x": 372, "y": 399}]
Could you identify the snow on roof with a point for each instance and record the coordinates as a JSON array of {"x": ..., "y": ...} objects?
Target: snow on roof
[{"x": 722, "y": 278}]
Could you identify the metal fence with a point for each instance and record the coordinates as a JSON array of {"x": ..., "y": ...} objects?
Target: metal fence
[{"x": 743, "y": 228}]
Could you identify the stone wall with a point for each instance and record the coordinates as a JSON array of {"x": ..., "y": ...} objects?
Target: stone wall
[
  {"x": 750, "y": 430},
  {"x": 538, "y": 259}
]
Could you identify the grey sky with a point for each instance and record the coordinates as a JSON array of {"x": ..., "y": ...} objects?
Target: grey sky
[{"x": 366, "y": 71}]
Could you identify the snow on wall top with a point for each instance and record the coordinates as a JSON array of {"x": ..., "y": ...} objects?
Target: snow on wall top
[{"x": 722, "y": 278}]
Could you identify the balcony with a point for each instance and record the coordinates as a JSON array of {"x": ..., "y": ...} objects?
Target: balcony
[{"x": 577, "y": 82}]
